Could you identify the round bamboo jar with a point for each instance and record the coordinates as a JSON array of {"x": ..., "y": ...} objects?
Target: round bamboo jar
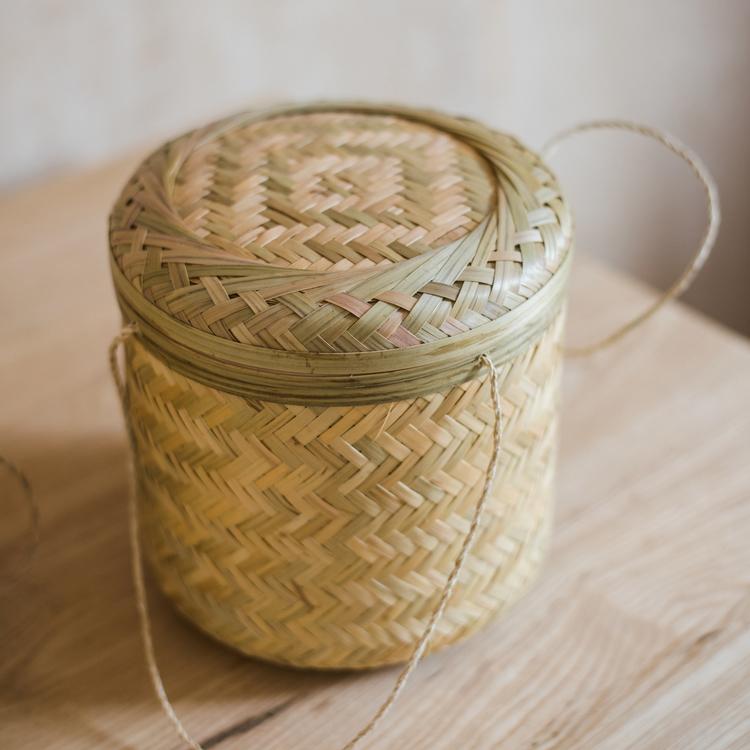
[{"x": 313, "y": 289}]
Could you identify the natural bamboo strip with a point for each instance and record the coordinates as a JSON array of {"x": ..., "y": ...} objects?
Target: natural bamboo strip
[{"x": 358, "y": 378}]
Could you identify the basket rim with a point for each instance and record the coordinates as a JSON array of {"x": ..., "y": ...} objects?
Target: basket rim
[{"x": 249, "y": 371}]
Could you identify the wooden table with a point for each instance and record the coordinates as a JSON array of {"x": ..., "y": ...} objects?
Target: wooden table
[{"x": 637, "y": 635}]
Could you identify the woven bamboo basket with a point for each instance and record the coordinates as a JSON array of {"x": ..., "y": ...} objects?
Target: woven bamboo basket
[{"x": 313, "y": 290}]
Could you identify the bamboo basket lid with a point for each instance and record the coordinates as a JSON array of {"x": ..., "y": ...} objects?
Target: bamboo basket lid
[{"x": 339, "y": 252}]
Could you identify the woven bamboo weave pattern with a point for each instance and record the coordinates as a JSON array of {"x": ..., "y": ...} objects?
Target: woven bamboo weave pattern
[
  {"x": 245, "y": 247},
  {"x": 313, "y": 289},
  {"x": 333, "y": 191},
  {"x": 322, "y": 536}
]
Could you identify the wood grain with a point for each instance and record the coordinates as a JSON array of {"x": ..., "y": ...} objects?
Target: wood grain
[{"x": 637, "y": 634}]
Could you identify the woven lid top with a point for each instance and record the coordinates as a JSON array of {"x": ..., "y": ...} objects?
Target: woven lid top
[{"x": 337, "y": 229}]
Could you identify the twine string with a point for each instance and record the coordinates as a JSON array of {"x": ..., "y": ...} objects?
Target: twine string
[
  {"x": 34, "y": 520},
  {"x": 437, "y": 613},
  {"x": 708, "y": 239},
  {"x": 458, "y": 565},
  {"x": 141, "y": 599}
]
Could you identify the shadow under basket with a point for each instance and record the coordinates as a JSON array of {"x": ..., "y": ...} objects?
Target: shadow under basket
[{"x": 314, "y": 290}]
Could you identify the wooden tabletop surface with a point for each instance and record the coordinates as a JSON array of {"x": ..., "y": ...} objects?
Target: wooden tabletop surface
[{"x": 636, "y": 636}]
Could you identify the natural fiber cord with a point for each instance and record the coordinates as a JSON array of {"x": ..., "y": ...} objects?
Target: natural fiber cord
[
  {"x": 322, "y": 475},
  {"x": 713, "y": 219},
  {"x": 32, "y": 506}
]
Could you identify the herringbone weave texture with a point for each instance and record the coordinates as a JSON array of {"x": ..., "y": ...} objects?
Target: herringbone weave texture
[
  {"x": 323, "y": 536},
  {"x": 313, "y": 290}
]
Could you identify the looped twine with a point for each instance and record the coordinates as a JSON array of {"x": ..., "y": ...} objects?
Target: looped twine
[
  {"x": 127, "y": 331},
  {"x": 708, "y": 239}
]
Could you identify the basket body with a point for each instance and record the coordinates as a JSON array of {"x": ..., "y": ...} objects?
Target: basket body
[
  {"x": 317, "y": 292},
  {"x": 322, "y": 536}
]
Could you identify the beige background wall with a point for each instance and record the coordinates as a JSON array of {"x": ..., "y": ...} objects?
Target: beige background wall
[{"x": 86, "y": 81}]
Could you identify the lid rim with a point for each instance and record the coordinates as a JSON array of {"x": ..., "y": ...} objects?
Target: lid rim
[{"x": 249, "y": 371}]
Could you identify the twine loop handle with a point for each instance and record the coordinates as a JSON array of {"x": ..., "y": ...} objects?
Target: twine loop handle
[{"x": 713, "y": 218}]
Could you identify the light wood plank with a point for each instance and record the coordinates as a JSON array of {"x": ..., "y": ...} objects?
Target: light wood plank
[{"x": 637, "y": 634}]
